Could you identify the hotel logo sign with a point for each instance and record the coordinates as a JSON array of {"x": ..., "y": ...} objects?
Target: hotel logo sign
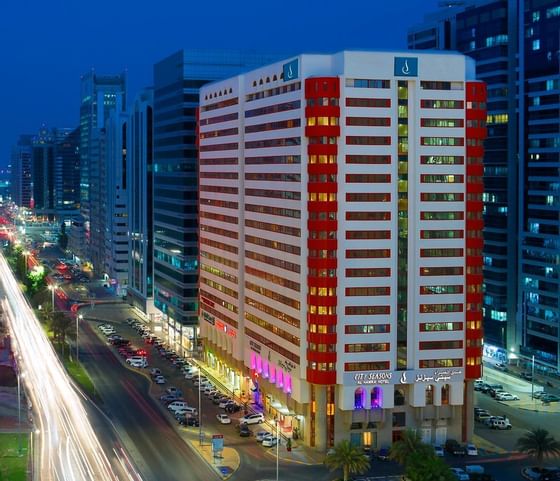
[
  {"x": 406, "y": 67},
  {"x": 290, "y": 70}
]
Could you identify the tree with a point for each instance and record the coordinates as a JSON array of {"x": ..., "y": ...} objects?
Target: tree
[
  {"x": 539, "y": 444},
  {"x": 60, "y": 325},
  {"x": 420, "y": 467},
  {"x": 410, "y": 443},
  {"x": 351, "y": 459}
]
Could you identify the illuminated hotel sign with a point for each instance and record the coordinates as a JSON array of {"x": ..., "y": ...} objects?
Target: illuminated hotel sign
[
  {"x": 427, "y": 376},
  {"x": 290, "y": 70},
  {"x": 406, "y": 67}
]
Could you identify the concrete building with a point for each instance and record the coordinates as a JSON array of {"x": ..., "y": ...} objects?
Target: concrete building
[
  {"x": 67, "y": 172},
  {"x": 516, "y": 46},
  {"x": 177, "y": 79},
  {"x": 341, "y": 242},
  {"x": 140, "y": 156},
  {"x": 43, "y": 173}
]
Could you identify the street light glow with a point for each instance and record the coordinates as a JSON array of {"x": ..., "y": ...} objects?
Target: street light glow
[{"x": 68, "y": 446}]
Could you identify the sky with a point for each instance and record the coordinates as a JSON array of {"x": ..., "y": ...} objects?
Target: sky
[{"x": 46, "y": 45}]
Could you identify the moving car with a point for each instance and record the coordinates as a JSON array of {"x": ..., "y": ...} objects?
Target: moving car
[
  {"x": 135, "y": 362},
  {"x": 252, "y": 419},
  {"x": 500, "y": 366},
  {"x": 260, "y": 435},
  {"x": 174, "y": 390},
  {"x": 155, "y": 371},
  {"x": 223, "y": 418},
  {"x": 159, "y": 379}
]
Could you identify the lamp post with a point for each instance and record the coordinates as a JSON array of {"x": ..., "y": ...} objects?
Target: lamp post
[
  {"x": 277, "y": 448},
  {"x": 79, "y": 318},
  {"x": 19, "y": 375},
  {"x": 25, "y": 255},
  {"x": 52, "y": 287},
  {"x": 199, "y": 410},
  {"x": 533, "y": 378}
]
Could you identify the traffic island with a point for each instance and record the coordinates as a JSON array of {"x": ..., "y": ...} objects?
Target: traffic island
[{"x": 225, "y": 464}]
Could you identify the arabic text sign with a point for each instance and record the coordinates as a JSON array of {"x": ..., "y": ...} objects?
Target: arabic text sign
[{"x": 405, "y": 377}]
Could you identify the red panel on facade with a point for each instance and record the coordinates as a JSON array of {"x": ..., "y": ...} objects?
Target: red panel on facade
[
  {"x": 321, "y": 356},
  {"x": 322, "y": 149},
  {"x": 318, "y": 338},
  {"x": 321, "y": 377},
  {"x": 322, "y": 301},
  {"x": 322, "y": 169},
  {"x": 322, "y": 111},
  {"x": 322, "y": 131},
  {"x": 322, "y": 244},
  {"x": 328, "y": 187},
  {"x": 322, "y": 263}
]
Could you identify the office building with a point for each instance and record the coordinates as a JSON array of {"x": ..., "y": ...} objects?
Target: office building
[
  {"x": 177, "y": 79},
  {"x": 67, "y": 172},
  {"x": 515, "y": 45},
  {"x": 21, "y": 184},
  {"x": 43, "y": 174},
  {"x": 140, "y": 156},
  {"x": 100, "y": 95},
  {"x": 341, "y": 242}
]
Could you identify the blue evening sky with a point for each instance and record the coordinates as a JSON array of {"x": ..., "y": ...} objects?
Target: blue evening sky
[{"x": 47, "y": 44}]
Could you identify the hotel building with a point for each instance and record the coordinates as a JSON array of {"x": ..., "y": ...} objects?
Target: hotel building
[{"x": 340, "y": 207}]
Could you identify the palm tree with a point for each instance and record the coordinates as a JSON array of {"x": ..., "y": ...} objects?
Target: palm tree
[
  {"x": 420, "y": 467},
  {"x": 60, "y": 325},
  {"x": 539, "y": 444},
  {"x": 410, "y": 443},
  {"x": 348, "y": 457}
]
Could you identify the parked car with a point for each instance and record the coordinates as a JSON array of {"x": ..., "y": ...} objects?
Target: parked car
[
  {"x": 177, "y": 405},
  {"x": 527, "y": 375},
  {"x": 438, "y": 451},
  {"x": 472, "y": 450},
  {"x": 500, "y": 424},
  {"x": 189, "y": 421},
  {"x": 550, "y": 398},
  {"x": 252, "y": 419},
  {"x": 190, "y": 375},
  {"x": 232, "y": 407},
  {"x": 260, "y": 435},
  {"x": 453, "y": 447},
  {"x": 494, "y": 391},
  {"x": 168, "y": 398},
  {"x": 174, "y": 390},
  {"x": 223, "y": 418},
  {"x": 270, "y": 441},
  {"x": 224, "y": 402},
  {"x": 489, "y": 387},
  {"x": 506, "y": 396},
  {"x": 539, "y": 394},
  {"x": 478, "y": 385},
  {"x": 245, "y": 431},
  {"x": 535, "y": 473},
  {"x": 460, "y": 474},
  {"x": 482, "y": 417},
  {"x": 383, "y": 454},
  {"x": 491, "y": 419}
]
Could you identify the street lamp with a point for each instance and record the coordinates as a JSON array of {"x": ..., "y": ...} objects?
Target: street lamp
[
  {"x": 277, "y": 448},
  {"x": 533, "y": 378},
  {"x": 19, "y": 375},
  {"x": 79, "y": 318},
  {"x": 199, "y": 410},
  {"x": 52, "y": 288}
]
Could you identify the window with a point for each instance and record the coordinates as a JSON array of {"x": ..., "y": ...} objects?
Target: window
[
  {"x": 454, "y": 289},
  {"x": 441, "y": 179},
  {"x": 429, "y": 395},
  {"x": 368, "y": 83},
  {"x": 442, "y": 104},
  {"x": 536, "y": 44},
  {"x": 369, "y": 121},
  {"x": 437, "y": 215},
  {"x": 439, "y": 308},
  {"x": 366, "y": 366},
  {"x": 398, "y": 397},
  {"x": 429, "y": 122},
  {"x": 368, "y": 140},
  {"x": 356, "y": 102},
  {"x": 368, "y": 329},
  {"x": 360, "y": 398},
  {"x": 433, "y": 363},
  {"x": 442, "y": 196},
  {"x": 445, "y": 394},
  {"x": 440, "y": 85},
  {"x": 441, "y": 234},
  {"x": 399, "y": 420},
  {"x": 376, "y": 397},
  {"x": 449, "y": 252},
  {"x": 442, "y": 159},
  {"x": 442, "y": 141},
  {"x": 368, "y": 159},
  {"x": 441, "y": 326},
  {"x": 367, "y": 347},
  {"x": 369, "y": 272},
  {"x": 434, "y": 345}
]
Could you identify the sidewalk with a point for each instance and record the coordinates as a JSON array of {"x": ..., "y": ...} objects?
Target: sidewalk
[{"x": 487, "y": 446}]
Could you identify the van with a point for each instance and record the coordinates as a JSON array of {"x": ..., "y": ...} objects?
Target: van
[
  {"x": 500, "y": 424},
  {"x": 177, "y": 405},
  {"x": 188, "y": 411}
]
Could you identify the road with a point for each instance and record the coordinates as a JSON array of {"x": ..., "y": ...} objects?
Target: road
[
  {"x": 149, "y": 433},
  {"x": 69, "y": 447}
]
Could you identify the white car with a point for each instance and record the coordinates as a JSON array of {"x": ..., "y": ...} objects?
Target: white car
[
  {"x": 223, "y": 418},
  {"x": 269, "y": 441},
  {"x": 260, "y": 435},
  {"x": 224, "y": 402},
  {"x": 438, "y": 451},
  {"x": 159, "y": 379},
  {"x": 472, "y": 450},
  {"x": 190, "y": 375},
  {"x": 252, "y": 419},
  {"x": 506, "y": 396},
  {"x": 460, "y": 474},
  {"x": 141, "y": 363}
]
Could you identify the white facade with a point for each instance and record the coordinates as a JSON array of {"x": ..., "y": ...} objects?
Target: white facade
[{"x": 318, "y": 211}]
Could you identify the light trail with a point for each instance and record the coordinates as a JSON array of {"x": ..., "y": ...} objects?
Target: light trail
[{"x": 69, "y": 448}]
